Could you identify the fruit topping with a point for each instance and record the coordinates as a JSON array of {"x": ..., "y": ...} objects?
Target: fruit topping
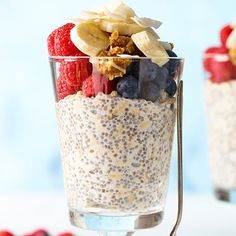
[
  {"x": 171, "y": 87},
  {"x": 149, "y": 45},
  {"x": 224, "y": 34},
  {"x": 208, "y": 57},
  {"x": 60, "y": 44},
  {"x": 127, "y": 87},
  {"x": 71, "y": 76},
  {"x": 222, "y": 70},
  {"x": 97, "y": 83},
  {"x": 89, "y": 39},
  {"x": 151, "y": 72},
  {"x": 173, "y": 64},
  {"x": 231, "y": 41},
  {"x": 150, "y": 91},
  {"x": 113, "y": 37}
]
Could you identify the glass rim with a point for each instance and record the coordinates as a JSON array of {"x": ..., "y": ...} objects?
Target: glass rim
[{"x": 113, "y": 57}]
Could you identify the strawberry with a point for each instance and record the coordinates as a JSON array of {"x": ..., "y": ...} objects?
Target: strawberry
[
  {"x": 224, "y": 34},
  {"x": 209, "y": 56},
  {"x": 71, "y": 76},
  {"x": 6, "y": 233},
  {"x": 97, "y": 83},
  {"x": 60, "y": 44}
]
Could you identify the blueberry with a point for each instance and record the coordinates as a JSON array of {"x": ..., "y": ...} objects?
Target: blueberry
[
  {"x": 173, "y": 64},
  {"x": 147, "y": 70},
  {"x": 171, "y": 87},
  {"x": 151, "y": 72},
  {"x": 127, "y": 87},
  {"x": 150, "y": 91},
  {"x": 133, "y": 69}
]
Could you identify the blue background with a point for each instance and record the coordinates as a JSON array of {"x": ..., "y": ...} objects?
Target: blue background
[{"x": 29, "y": 150}]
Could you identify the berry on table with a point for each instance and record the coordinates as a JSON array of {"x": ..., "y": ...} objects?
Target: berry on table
[
  {"x": 127, "y": 87},
  {"x": 66, "y": 234},
  {"x": 6, "y": 233},
  {"x": 38, "y": 232}
]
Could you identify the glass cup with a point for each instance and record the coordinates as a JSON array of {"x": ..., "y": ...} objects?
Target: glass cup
[
  {"x": 220, "y": 90},
  {"x": 116, "y": 150}
]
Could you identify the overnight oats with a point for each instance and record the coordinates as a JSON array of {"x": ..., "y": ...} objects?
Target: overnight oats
[
  {"x": 115, "y": 84},
  {"x": 220, "y": 90}
]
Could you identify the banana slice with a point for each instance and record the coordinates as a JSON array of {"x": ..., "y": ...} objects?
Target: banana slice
[
  {"x": 89, "y": 39},
  {"x": 153, "y": 32},
  {"x": 92, "y": 15},
  {"x": 150, "y": 47},
  {"x": 119, "y": 8},
  {"x": 122, "y": 27},
  {"x": 77, "y": 21},
  {"x": 167, "y": 45},
  {"x": 146, "y": 22}
]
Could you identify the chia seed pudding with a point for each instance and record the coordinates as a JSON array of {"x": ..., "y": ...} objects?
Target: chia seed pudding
[
  {"x": 116, "y": 152},
  {"x": 221, "y": 111}
]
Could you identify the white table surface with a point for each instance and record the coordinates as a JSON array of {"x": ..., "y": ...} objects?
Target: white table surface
[{"x": 203, "y": 216}]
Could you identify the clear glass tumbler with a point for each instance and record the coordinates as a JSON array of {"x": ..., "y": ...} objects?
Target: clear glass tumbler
[
  {"x": 220, "y": 90},
  {"x": 116, "y": 139}
]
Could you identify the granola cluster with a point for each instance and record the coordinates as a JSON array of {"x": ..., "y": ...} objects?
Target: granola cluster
[{"x": 111, "y": 65}]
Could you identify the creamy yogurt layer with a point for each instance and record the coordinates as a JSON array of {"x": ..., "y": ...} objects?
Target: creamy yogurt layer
[
  {"x": 221, "y": 112},
  {"x": 116, "y": 152}
]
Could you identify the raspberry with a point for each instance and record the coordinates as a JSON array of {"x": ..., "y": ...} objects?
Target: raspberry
[
  {"x": 60, "y": 44},
  {"x": 75, "y": 72},
  {"x": 97, "y": 83},
  {"x": 38, "y": 232},
  {"x": 50, "y": 40},
  {"x": 208, "y": 60},
  {"x": 222, "y": 71},
  {"x": 87, "y": 87},
  {"x": 66, "y": 234},
  {"x": 64, "y": 89},
  {"x": 71, "y": 76},
  {"x": 6, "y": 233},
  {"x": 224, "y": 34}
]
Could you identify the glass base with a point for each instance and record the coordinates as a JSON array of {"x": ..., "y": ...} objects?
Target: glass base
[
  {"x": 225, "y": 195},
  {"x": 116, "y": 234},
  {"x": 106, "y": 223}
]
